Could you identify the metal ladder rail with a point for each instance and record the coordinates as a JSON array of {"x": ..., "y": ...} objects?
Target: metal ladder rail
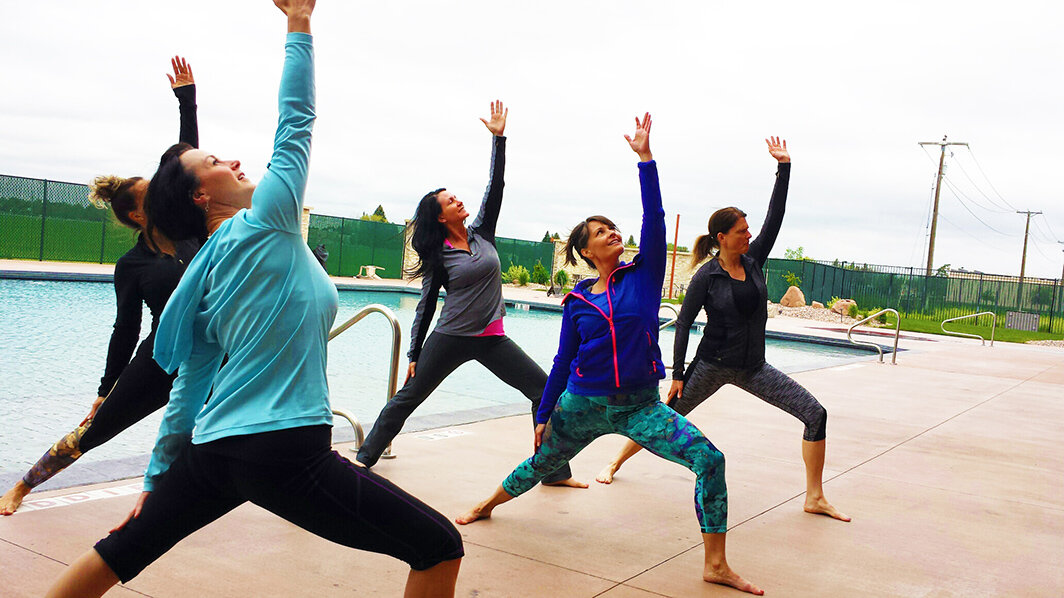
[
  {"x": 673, "y": 320},
  {"x": 993, "y": 327},
  {"x": 897, "y": 334},
  {"x": 393, "y": 371}
]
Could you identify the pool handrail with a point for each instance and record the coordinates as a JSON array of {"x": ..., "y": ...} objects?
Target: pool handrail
[
  {"x": 993, "y": 326},
  {"x": 897, "y": 334},
  {"x": 673, "y": 320},
  {"x": 393, "y": 371}
]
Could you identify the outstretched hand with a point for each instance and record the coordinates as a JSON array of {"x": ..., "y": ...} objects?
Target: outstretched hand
[
  {"x": 640, "y": 141},
  {"x": 778, "y": 149},
  {"x": 182, "y": 73},
  {"x": 298, "y": 12},
  {"x": 497, "y": 124}
]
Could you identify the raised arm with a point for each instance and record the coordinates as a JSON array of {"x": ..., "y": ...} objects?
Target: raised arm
[
  {"x": 126, "y": 329},
  {"x": 488, "y": 216},
  {"x": 762, "y": 245},
  {"x": 652, "y": 233},
  {"x": 278, "y": 200},
  {"x": 184, "y": 86}
]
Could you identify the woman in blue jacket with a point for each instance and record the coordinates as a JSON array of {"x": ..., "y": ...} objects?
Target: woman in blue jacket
[
  {"x": 257, "y": 429},
  {"x": 605, "y": 376}
]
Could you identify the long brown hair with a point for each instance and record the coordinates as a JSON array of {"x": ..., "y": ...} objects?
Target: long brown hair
[{"x": 721, "y": 221}]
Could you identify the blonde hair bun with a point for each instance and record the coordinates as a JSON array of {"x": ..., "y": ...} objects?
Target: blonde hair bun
[{"x": 103, "y": 189}]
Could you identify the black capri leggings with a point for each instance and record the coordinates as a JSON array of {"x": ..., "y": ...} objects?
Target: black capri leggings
[
  {"x": 141, "y": 390},
  {"x": 294, "y": 474},
  {"x": 442, "y": 355},
  {"x": 765, "y": 382}
]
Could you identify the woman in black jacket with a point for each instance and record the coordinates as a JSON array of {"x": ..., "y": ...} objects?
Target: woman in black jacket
[
  {"x": 129, "y": 390},
  {"x": 731, "y": 289}
]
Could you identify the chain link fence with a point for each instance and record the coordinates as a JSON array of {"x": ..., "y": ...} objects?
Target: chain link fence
[
  {"x": 942, "y": 295},
  {"x": 54, "y": 221}
]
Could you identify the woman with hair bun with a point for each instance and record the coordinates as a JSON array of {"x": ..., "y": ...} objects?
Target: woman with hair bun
[
  {"x": 731, "y": 289},
  {"x": 129, "y": 390}
]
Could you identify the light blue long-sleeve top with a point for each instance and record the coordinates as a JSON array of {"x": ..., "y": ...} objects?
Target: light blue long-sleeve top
[{"x": 254, "y": 292}]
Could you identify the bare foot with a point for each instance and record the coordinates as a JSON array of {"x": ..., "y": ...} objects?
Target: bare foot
[
  {"x": 478, "y": 512},
  {"x": 726, "y": 577},
  {"x": 820, "y": 506},
  {"x": 606, "y": 475},
  {"x": 358, "y": 463},
  {"x": 568, "y": 483},
  {"x": 12, "y": 499}
]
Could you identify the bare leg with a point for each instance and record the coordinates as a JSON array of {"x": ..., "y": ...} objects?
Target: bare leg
[
  {"x": 435, "y": 582},
  {"x": 484, "y": 509},
  {"x": 813, "y": 455},
  {"x": 627, "y": 451},
  {"x": 717, "y": 570},
  {"x": 568, "y": 483},
  {"x": 12, "y": 499},
  {"x": 86, "y": 577}
]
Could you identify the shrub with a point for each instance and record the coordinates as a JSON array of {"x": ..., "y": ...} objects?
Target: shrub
[
  {"x": 792, "y": 279},
  {"x": 853, "y": 310},
  {"x": 540, "y": 274},
  {"x": 518, "y": 274},
  {"x": 561, "y": 278},
  {"x": 832, "y": 302},
  {"x": 506, "y": 278}
]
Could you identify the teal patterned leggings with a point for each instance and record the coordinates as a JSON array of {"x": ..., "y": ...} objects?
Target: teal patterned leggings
[{"x": 577, "y": 420}]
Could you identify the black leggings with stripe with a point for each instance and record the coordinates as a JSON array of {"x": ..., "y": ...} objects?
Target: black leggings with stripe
[
  {"x": 765, "y": 382},
  {"x": 294, "y": 474}
]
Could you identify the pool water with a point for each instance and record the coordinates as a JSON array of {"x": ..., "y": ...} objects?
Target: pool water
[{"x": 53, "y": 343}]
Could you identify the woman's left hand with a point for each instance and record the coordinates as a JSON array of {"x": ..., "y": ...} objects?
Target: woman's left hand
[
  {"x": 182, "y": 73},
  {"x": 540, "y": 429},
  {"x": 640, "y": 141},
  {"x": 497, "y": 124},
  {"x": 778, "y": 149}
]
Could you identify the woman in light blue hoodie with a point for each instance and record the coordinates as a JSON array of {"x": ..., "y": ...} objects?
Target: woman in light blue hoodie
[
  {"x": 605, "y": 376},
  {"x": 259, "y": 425}
]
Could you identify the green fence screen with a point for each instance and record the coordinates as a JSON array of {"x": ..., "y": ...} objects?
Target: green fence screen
[
  {"x": 515, "y": 252},
  {"x": 916, "y": 295},
  {"x": 50, "y": 220},
  {"x": 353, "y": 243}
]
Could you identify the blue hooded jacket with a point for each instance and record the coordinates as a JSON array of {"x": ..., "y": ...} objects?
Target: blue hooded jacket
[{"x": 609, "y": 341}]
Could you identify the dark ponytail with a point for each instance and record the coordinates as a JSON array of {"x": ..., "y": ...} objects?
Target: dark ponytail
[
  {"x": 116, "y": 192},
  {"x": 429, "y": 234},
  {"x": 169, "y": 205},
  {"x": 721, "y": 221}
]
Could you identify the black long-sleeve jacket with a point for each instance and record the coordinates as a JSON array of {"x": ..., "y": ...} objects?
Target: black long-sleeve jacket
[
  {"x": 731, "y": 338},
  {"x": 143, "y": 276}
]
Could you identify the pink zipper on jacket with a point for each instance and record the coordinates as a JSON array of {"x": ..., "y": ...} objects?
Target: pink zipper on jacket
[{"x": 609, "y": 319}]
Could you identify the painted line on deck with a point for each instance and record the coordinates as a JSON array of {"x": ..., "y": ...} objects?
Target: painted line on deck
[{"x": 76, "y": 498}]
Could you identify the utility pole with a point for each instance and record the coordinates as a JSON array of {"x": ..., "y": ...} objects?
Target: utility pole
[
  {"x": 938, "y": 188},
  {"x": 1023, "y": 261}
]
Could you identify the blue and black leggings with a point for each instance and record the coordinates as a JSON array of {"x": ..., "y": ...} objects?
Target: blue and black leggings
[{"x": 642, "y": 417}]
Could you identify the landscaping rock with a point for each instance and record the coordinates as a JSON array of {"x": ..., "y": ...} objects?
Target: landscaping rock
[
  {"x": 793, "y": 298},
  {"x": 818, "y": 305},
  {"x": 842, "y": 306}
]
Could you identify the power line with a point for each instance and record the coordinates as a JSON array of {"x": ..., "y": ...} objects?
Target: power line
[
  {"x": 988, "y": 198},
  {"x": 982, "y": 172},
  {"x": 949, "y": 184},
  {"x": 1052, "y": 232}
]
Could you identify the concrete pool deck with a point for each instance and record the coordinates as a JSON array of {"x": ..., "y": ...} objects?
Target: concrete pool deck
[{"x": 951, "y": 464}]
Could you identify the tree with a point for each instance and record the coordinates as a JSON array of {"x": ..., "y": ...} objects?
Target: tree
[
  {"x": 376, "y": 216},
  {"x": 630, "y": 242},
  {"x": 668, "y": 246},
  {"x": 546, "y": 237},
  {"x": 540, "y": 274},
  {"x": 796, "y": 254},
  {"x": 555, "y": 237}
]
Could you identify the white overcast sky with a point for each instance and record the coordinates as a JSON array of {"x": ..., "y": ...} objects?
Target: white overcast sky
[{"x": 852, "y": 86}]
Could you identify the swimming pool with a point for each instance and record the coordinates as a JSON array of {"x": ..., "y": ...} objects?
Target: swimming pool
[{"x": 54, "y": 340}]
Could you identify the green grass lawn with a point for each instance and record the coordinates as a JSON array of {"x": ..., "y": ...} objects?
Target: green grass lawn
[{"x": 1000, "y": 334}]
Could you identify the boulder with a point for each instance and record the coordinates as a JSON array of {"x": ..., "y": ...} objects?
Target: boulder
[
  {"x": 793, "y": 298},
  {"x": 842, "y": 306},
  {"x": 818, "y": 305},
  {"x": 771, "y": 309}
]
